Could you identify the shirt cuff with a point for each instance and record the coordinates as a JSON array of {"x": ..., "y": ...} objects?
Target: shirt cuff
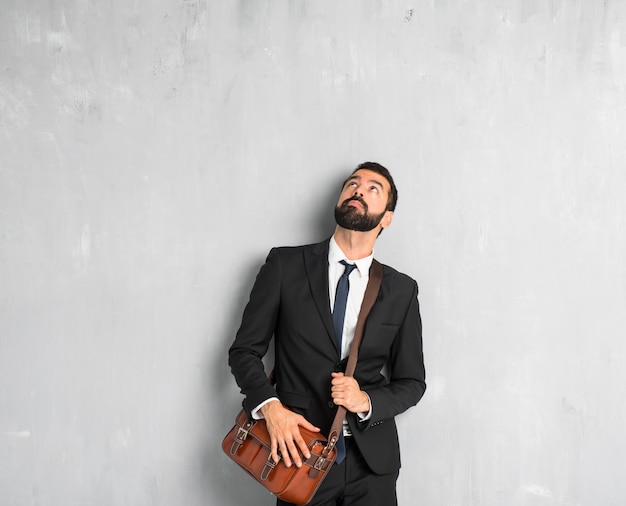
[
  {"x": 256, "y": 412},
  {"x": 364, "y": 417}
]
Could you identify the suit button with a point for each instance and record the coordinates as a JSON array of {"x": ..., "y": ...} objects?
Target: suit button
[{"x": 331, "y": 404}]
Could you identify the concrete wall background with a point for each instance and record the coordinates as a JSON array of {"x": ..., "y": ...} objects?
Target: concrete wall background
[{"x": 152, "y": 152}]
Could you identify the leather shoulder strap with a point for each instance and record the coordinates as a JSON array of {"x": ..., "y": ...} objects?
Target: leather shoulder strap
[{"x": 371, "y": 292}]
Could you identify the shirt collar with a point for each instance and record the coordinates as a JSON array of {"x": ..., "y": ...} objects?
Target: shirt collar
[{"x": 335, "y": 255}]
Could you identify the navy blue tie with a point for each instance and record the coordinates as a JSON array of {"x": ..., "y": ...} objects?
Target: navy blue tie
[
  {"x": 339, "y": 314},
  {"x": 341, "y": 301}
]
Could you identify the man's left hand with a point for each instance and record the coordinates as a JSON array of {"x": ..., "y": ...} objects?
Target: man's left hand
[{"x": 346, "y": 392}]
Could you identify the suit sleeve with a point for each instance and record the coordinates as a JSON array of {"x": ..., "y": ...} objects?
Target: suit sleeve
[
  {"x": 407, "y": 375},
  {"x": 255, "y": 333}
]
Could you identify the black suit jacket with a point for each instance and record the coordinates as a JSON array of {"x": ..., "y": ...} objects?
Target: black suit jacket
[{"x": 290, "y": 302}]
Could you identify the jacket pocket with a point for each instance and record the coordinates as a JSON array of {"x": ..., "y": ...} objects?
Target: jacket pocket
[{"x": 294, "y": 400}]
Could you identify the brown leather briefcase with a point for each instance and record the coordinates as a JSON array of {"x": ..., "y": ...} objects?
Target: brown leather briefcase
[{"x": 248, "y": 444}]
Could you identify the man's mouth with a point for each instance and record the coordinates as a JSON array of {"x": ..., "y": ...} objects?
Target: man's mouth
[{"x": 355, "y": 202}]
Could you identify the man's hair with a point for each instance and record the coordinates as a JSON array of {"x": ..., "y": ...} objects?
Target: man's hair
[{"x": 392, "y": 198}]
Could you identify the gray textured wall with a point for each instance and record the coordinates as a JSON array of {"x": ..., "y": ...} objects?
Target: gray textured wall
[{"x": 151, "y": 152}]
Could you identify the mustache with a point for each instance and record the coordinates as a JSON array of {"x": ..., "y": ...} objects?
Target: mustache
[{"x": 358, "y": 199}]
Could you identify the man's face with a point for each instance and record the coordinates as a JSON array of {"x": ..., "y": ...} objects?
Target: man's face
[{"x": 362, "y": 204}]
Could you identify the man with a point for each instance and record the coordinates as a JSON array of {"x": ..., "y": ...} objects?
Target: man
[{"x": 293, "y": 299}]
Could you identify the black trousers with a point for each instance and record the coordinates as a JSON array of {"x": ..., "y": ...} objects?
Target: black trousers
[{"x": 352, "y": 483}]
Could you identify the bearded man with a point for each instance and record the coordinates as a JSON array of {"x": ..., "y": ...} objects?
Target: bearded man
[{"x": 293, "y": 300}]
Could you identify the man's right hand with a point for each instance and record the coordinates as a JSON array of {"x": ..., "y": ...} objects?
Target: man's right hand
[{"x": 283, "y": 427}]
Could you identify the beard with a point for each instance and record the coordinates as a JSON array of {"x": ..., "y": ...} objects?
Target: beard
[{"x": 352, "y": 218}]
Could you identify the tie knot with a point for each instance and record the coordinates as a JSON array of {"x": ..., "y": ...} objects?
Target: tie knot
[{"x": 349, "y": 267}]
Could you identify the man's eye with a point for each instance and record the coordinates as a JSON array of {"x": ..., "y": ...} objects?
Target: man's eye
[{"x": 374, "y": 189}]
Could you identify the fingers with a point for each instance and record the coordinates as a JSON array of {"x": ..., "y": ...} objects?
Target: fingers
[
  {"x": 282, "y": 446},
  {"x": 286, "y": 441},
  {"x": 295, "y": 444},
  {"x": 302, "y": 446},
  {"x": 289, "y": 453},
  {"x": 345, "y": 391},
  {"x": 308, "y": 425},
  {"x": 274, "y": 449}
]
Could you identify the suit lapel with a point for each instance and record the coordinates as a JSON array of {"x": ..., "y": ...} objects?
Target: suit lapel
[{"x": 316, "y": 264}]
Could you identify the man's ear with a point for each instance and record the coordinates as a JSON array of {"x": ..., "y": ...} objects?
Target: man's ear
[{"x": 386, "y": 221}]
